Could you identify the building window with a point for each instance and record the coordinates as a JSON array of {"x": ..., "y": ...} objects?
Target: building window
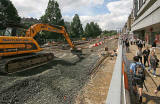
[
  {"x": 138, "y": 4},
  {"x": 135, "y": 7},
  {"x": 141, "y": 3}
]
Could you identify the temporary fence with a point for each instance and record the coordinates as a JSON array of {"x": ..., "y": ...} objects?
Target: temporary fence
[{"x": 119, "y": 90}]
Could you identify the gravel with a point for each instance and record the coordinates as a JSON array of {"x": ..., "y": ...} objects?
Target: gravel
[{"x": 58, "y": 82}]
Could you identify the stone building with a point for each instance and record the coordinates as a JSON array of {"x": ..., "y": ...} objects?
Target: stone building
[{"x": 146, "y": 20}]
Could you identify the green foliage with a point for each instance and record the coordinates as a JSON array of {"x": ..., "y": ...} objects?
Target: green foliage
[
  {"x": 109, "y": 33},
  {"x": 8, "y": 14},
  {"x": 92, "y": 30},
  {"x": 76, "y": 27},
  {"x": 68, "y": 27},
  {"x": 53, "y": 16}
]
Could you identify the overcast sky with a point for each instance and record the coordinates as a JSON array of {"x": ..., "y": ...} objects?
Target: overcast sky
[{"x": 109, "y": 14}]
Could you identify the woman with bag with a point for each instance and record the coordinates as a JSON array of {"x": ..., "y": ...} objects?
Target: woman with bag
[{"x": 153, "y": 62}]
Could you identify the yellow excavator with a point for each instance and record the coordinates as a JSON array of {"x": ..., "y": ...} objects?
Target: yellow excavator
[{"x": 21, "y": 53}]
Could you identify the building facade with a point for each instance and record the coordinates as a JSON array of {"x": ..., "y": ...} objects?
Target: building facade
[
  {"x": 146, "y": 25},
  {"x": 127, "y": 27}
]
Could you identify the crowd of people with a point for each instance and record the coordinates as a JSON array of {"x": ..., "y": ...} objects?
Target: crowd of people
[{"x": 138, "y": 67}]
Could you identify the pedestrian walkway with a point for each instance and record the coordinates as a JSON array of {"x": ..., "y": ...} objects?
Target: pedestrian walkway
[{"x": 149, "y": 97}]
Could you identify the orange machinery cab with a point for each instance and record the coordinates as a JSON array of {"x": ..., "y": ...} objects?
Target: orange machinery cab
[{"x": 13, "y": 45}]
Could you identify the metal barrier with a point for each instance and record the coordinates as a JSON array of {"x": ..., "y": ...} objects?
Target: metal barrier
[{"x": 119, "y": 90}]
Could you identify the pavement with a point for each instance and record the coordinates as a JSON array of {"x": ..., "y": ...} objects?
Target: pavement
[{"x": 149, "y": 97}]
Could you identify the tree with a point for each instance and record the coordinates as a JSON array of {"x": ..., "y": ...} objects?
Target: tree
[
  {"x": 68, "y": 27},
  {"x": 76, "y": 27},
  {"x": 8, "y": 14},
  {"x": 109, "y": 33},
  {"x": 88, "y": 31},
  {"x": 92, "y": 30},
  {"x": 97, "y": 29},
  {"x": 53, "y": 16}
]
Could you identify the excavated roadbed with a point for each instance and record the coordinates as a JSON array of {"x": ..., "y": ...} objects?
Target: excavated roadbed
[{"x": 57, "y": 82}]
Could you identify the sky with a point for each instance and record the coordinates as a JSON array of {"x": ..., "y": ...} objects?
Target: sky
[{"x": 109, "y": 14}]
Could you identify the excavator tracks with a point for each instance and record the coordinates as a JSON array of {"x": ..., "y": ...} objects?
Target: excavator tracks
[{"x": 12, "y": 65}]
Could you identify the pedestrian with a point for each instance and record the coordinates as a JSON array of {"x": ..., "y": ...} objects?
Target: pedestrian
[
  {"x": 158, "y": 89},
  {"x": 139, "y": 53},
  {"x": 144, "y": 43},
  {"x": 154, "y": 46},
  {"x": 153, "y": 62},
  {"x": 131, "y": 41},
  {"x": 137, "y": 42},
  {"x": 146, "y": 53},
  {"x": 137, "y": 71},
  {"x": 140, "y": 45},
  {"x": 127, "y": 45}
]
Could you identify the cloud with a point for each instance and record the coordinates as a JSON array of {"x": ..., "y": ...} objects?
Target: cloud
[
  {"x": 36, "y": 8},
  {"x": 115, "y": 19},
  {"x": 30, "y": 8},
  {"x": 87, "y": 9},
  {"x": 83, "y": 7}
]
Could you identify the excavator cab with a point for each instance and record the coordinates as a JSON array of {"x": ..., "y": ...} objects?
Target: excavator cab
[{"x": 8, "y": 32}]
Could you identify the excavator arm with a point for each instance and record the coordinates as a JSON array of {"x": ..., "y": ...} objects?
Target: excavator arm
[
  {"x": 33, "y": 30},
  {"x": 13, "y": 45}
]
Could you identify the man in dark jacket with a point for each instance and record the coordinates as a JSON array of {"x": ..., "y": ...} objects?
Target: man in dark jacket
[
  {"x": 140, "y": 45},
  {"x": 154, "y": 44},
  {"x": 146, "y": 53},
  {"x": 127, "y": 45}
]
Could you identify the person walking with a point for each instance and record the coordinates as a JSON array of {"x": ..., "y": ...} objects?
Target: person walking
[
  {"x": 137, "y": 70},
  {"x": 154, "y": 46},
  {"x": 127, "y": 45},
  {"x": 139, "y": 53},
  {"x": 139, "y": 44},
  {"x": 144, "y": 43},
  {"x": 153, "y": 62},
  {"x": 146, "y": 53}
]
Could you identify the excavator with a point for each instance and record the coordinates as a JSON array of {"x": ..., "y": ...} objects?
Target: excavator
[{"x": 18, "y": 53}]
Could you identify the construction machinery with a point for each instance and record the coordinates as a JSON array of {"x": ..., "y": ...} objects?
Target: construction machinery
[{"x": 23, "y": 52}]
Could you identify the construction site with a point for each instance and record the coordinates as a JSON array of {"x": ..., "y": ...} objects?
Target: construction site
[
  {"x": 64, "y": 79},
  {"x": 54, "y": 52}
]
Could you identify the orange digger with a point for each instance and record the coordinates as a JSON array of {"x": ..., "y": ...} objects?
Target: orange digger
[{"x": 21, "y": 53}]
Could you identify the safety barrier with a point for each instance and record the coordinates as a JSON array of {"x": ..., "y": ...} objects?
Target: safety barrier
[
  {"x": 119, "y": 90},
  {"x": 96, "y": 44}
]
